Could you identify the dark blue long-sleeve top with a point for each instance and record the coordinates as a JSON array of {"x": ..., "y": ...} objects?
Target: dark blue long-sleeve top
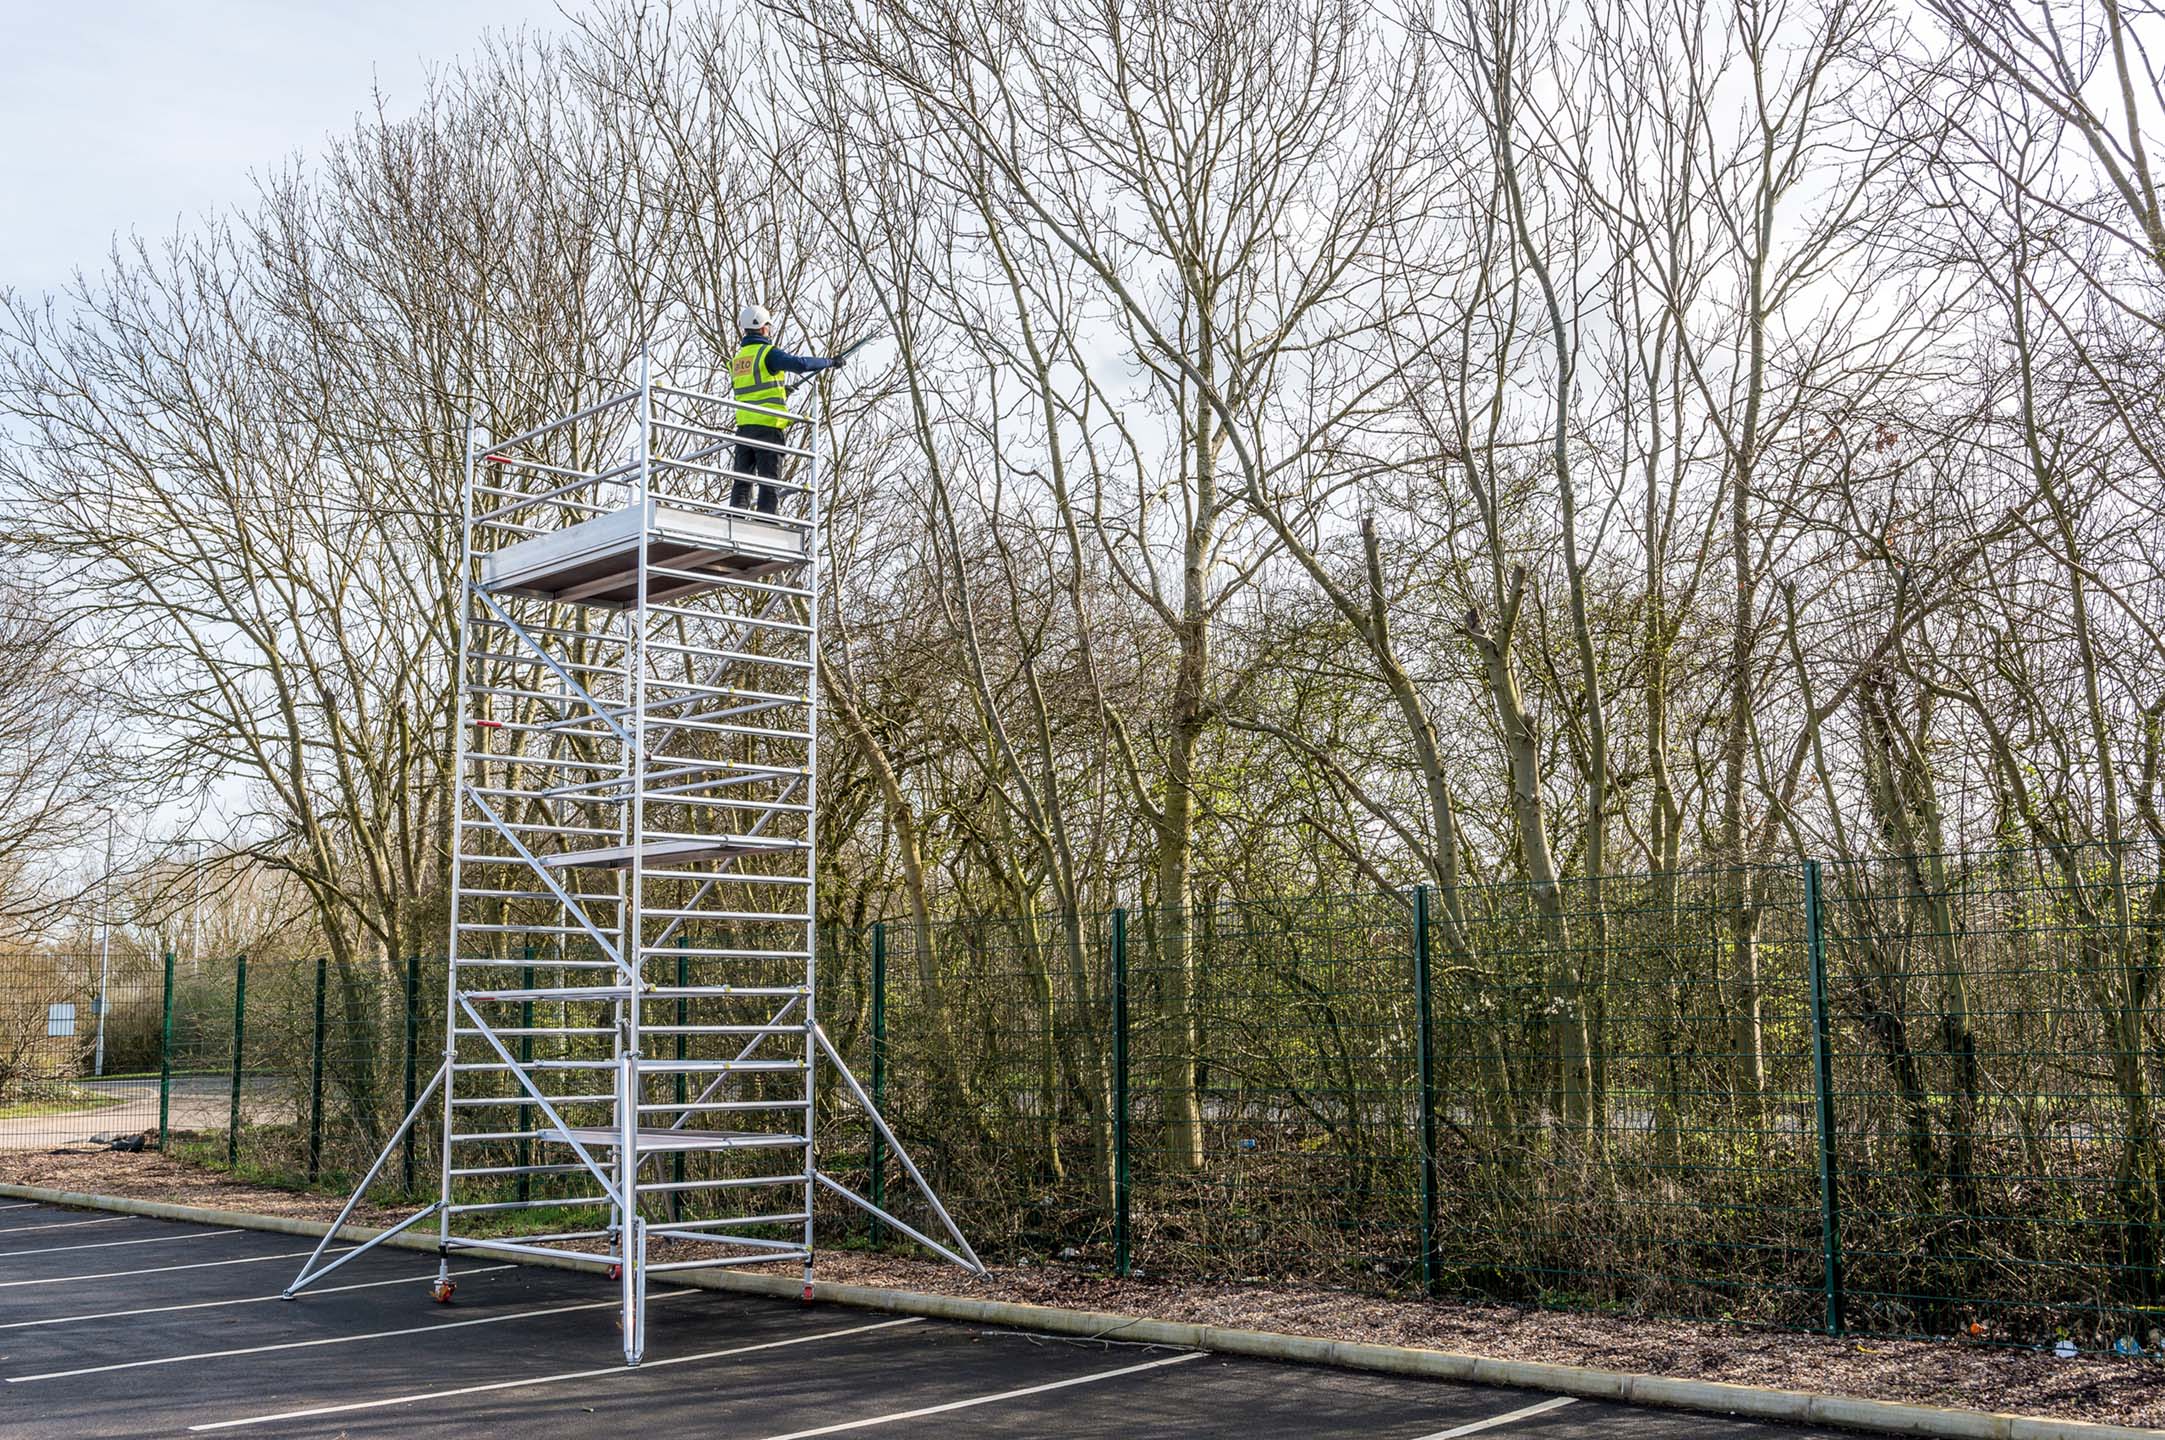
[{"x": 782, "y": 360}]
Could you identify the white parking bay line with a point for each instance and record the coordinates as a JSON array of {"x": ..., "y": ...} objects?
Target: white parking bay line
[
  {"x": 65, "y": 1224},
  {"x": 420, "y": 1395},
  {"x": 1495, "y": 1422},
  {"x": 415, "y": 1279},
  {"x": 159, "y": 1269},
  {"x": 347, "y": 1339},
  {"x": 429, "y": 1329},
  {"x": 109, "y": 1244},
  {"x": 20, "y": 1204},
  {"x": 977, "y": 1400}
]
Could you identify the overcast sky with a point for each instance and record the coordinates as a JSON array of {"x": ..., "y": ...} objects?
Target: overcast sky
[{"x": 127, "y": 115}]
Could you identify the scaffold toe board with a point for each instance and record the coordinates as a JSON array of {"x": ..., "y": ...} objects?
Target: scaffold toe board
[{"x": 634, "y": 889}]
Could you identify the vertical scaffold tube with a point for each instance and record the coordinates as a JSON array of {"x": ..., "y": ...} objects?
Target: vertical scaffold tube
[
  {"x": 632, "y": 1236},
  {"x": 463, "y": 719}
]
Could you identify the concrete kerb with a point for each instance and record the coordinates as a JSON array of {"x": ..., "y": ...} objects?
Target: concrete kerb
[{"x": 1704, "y": 1396}]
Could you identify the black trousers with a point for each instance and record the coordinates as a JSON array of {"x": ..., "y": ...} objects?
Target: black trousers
[{"x": 759, "y": 461}]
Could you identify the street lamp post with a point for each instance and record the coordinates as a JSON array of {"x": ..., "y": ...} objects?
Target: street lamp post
[{"x": 105, "y": 951}]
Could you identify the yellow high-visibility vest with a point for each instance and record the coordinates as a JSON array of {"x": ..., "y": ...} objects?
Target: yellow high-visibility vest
[{"x": 754, "y": 383}]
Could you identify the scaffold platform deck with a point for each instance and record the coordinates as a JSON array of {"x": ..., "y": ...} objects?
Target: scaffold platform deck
[{"x": 599, "y": 561}]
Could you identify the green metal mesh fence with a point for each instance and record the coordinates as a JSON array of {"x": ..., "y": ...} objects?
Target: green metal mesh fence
[
  {"x": 264, "y": 1084},
  {"x": 1904, "y": 1096}
]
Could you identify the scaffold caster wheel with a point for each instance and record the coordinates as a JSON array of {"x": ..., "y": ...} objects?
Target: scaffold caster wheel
[
  {"x": 616, "y": 1272},
  {"x": 440, "y": 1291}
]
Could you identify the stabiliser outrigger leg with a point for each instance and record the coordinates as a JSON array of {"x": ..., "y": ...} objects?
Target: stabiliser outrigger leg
[
  {"x": 442, "y": 1287},
  {"x": 312, "y": 1270}
]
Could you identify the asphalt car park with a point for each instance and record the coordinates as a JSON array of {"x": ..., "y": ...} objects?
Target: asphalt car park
[{"x": 120, "y": 1326}]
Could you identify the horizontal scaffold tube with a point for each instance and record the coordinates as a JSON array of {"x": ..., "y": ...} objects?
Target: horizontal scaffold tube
[
  {"x": 716, "y": 1262},
  {"x": 742, "y": 1182},
  {"x": 511, "y": 1247}
]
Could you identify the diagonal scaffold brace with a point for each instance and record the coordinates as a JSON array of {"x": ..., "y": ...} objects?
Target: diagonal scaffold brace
[
  {"x": 312, "y": 1269},
  {"x": 968, "y": 1258}
]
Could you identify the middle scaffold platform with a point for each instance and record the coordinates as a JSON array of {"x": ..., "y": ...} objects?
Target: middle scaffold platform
[{"x": 632, "y": 1024}]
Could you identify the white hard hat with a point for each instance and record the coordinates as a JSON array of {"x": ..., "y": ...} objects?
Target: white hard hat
[{"x": 751, "y": 317}]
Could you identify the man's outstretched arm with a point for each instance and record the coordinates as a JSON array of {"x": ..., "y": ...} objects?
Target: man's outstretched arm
[{"x": 780, "y": 359}]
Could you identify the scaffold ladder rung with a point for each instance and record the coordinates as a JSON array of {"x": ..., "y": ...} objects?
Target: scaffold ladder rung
[{"x": 649, "y": 1140}]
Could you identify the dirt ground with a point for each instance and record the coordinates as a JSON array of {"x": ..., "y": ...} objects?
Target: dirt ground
[{"x": 1973, "y": 1376}]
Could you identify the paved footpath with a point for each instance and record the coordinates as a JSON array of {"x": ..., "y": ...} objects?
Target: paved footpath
[{"x": 200, "y": 1102}]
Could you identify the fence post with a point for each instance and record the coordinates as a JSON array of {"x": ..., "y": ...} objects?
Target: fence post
[
  {"x": 1426, "y": 1060},
  {"x": 240, "y": 1025},
  {"x": 525, "y": 1147},
  {"x": 878, "y": 1162},
  {"x": 1830, "y": 1210},
  {"x": 413, "y": 1057},
  {"x": 165, "y": 1060},
  {"x": 1122, "y": 1253},
  {"x": 315, "y": 1076}
]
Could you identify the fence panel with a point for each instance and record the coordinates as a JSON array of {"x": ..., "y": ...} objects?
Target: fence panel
[
  {"x": 1999, "y": 1049},
  {"x": 998, "y": 1077},
  {"x": 247, "y": 1102},
  {"x": 1625, "y": 1072},
  {"x": 68, "y": 1074},
  {"x": 1274, "y": 1091}
]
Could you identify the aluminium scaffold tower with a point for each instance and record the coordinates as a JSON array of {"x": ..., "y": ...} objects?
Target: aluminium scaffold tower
[{"x": 631, "y": 1022}]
